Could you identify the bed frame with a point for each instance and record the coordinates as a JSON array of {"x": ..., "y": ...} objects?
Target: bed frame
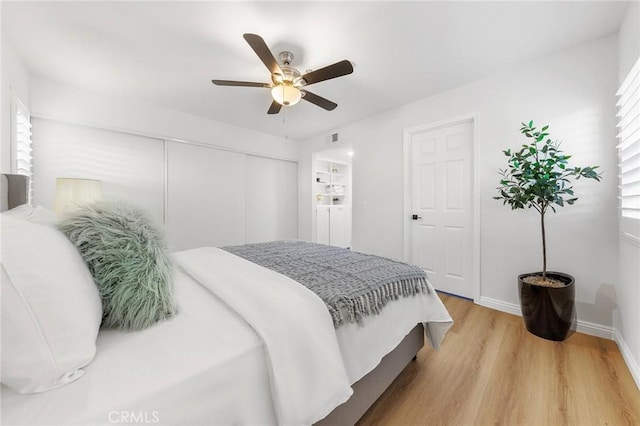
[
  {"x": 13, "y": 192},
  {"x": 368, "y": 389}
]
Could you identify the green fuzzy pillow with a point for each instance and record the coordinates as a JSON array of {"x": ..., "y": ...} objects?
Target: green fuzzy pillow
[{"x": 129, "y": 261}]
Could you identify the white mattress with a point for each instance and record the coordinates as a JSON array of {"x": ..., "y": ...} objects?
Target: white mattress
[{"x": 205, "y": 366}]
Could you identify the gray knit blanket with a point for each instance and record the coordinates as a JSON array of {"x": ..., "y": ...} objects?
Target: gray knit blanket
[{"x": 351, "y": 284}]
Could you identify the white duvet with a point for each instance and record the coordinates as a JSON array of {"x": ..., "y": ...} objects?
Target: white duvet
[
  {"x": 224, "y": 360},
  {"x": 307, "y": 375}
]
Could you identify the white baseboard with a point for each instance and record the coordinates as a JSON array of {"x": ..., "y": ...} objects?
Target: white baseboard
[
  {"x": 499, "y": 305},
  {"x": 598, "y": 330},
  {"x": 585, "y": 327},
  {"x": 628, "y": 357}
]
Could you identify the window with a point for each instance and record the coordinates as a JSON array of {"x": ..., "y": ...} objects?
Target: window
[
  {"x": 23, "y": 161},
  {"x": 629, "y": 153}
]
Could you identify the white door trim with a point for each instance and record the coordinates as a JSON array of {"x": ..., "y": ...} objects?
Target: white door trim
[{"x": 475, "y": 191}]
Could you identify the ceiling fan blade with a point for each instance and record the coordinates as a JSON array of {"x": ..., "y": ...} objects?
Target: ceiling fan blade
[
  {"x": 260, "y": 47},
  {"x": 239, "y": 83},
  {"x": 274, "y": 108},
  {"x": 327, "y": 73},
  {"x": 319, "y": 100}
]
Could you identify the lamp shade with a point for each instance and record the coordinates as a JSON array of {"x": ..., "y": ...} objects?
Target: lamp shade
[
  {"x": 286, "y": 94},
  {"x": 73, "y": 193}
]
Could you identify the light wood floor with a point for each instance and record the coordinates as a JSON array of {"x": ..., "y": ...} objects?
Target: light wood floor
[{"x": 491, "y": 371}]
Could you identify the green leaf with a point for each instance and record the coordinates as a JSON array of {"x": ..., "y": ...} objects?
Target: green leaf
[{"x": 537, "y": 176}]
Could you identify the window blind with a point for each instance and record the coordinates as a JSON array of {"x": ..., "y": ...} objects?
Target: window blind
[
  {"x": 23, "y": 157},
  {"x": 629, "y": 152}
]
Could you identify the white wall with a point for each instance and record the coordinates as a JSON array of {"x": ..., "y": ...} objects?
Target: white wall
[
  {"x": 627, "y": 316},
  {"x": 15, "y": 83},
  {"x": 629, "y": 40},
  {"x": 65, "y": 103},
  {"x": 573, "y": 92}
]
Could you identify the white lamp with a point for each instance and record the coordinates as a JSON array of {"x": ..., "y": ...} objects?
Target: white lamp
[
  {"x": 72, "y": 193},
  {"x": 286, "y": 93}
]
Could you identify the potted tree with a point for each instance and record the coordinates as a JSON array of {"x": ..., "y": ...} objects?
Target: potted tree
[{"x": 538, "y": 176}]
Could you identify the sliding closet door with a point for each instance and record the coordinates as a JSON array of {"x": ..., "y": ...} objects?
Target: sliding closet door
[
  {"x": 272, "y": 199},
  {"x": 205, "y": 190},
  {"x": 131, "y": 168}
]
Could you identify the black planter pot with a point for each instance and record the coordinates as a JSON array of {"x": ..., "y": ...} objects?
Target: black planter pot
[{"x": 548, "y": 312}]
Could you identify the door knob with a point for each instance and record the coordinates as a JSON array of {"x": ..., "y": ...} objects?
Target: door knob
[{"x": 416, "y": 217}]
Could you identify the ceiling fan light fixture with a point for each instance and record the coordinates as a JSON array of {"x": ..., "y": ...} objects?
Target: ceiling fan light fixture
[
  {"x": 286, "y": 94},
  {"x": 288, "y": 85}
]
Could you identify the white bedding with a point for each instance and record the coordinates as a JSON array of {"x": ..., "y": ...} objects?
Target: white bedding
[
  {"x": 363, "y": 347},
  {"x": 205, "y": 366},
  {"x": 305, "y": 367}
]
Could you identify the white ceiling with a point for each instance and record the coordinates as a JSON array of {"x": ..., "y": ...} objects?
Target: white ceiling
[{"x": 168, "y": 52}]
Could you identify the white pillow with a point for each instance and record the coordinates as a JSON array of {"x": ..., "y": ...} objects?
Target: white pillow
[
  {"x": 35, "y": 214},
  {"x": 51, "y": 309}
]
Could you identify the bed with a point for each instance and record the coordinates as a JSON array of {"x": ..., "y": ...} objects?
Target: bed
[{"x": 220, "y": 361}]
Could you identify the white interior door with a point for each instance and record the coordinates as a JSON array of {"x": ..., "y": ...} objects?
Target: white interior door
[
  {"x": 271, "y": 200},
  {"x": 206, "y": 197},
  {"x": 441, "y": 238}
]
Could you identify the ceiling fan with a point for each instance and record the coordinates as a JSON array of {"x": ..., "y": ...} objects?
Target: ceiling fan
[{"x": 288, "y": 85}]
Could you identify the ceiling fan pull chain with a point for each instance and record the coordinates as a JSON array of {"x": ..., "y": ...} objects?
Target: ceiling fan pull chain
[{"x": 284, "y": 124}]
